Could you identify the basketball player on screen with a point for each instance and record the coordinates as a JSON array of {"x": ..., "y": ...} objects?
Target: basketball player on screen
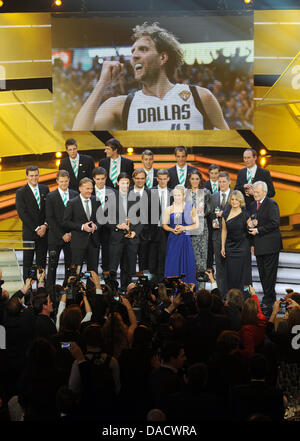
[{"x": 160, "y": 104}]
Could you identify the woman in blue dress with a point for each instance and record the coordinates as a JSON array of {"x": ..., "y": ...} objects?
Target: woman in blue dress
[{"x": 179, "y": 218}]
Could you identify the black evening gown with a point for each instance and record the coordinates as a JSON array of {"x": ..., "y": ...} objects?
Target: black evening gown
[{"x": 237, "y": 249}]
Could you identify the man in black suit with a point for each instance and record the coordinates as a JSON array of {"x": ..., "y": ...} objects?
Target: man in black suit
[
  {"x": 58, "y": 238},
  {"x": 266, "y": 240},
  {"x": 160, "y": 199},
  {"x": 213, "y": 186},
  {"x": 166, "y": 380},
  {"x": 114, "y": 163},
  {"x": 219, "y": 202},
  {"x": 179, "y": 173},
  {"x": 252, "y": 173},
  {"x": 80, "y": 220},
  {"x": 30, "y": 205},
  {"x": 151, "y": 173},
  {"x": 124, "y": 239},
  {"x": 140, "y": 194},
  {"x": 79, "y": 166},
  {"x": 104, "y": 196}
]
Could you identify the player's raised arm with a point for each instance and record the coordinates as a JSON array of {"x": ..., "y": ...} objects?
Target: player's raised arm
[
  {"x": 212, "y": 108},
  {"x": 85, "y": 119}
]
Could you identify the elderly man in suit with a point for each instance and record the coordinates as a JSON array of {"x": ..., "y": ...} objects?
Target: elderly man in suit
[
  {"x": 58, "y": 238},
  {"x": 114, "y": 163},
  {"x": 219, "y": 202},
  {"x": 77, "y": 165},
  {"x": 267, "y": 241},
  {"x": 30, "y": 204},
  {"x": 250, "y": 174},
  {"x": 80, "y": 220},
  {"x": 179, "y": 173}
]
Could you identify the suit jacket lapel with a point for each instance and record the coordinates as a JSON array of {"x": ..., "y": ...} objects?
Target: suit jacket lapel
[{"x": 32, "y": 197}]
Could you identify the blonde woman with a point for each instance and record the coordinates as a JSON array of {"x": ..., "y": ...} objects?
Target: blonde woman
[
  {"x": 179, "y": 218},
  {"x": 235, "y": 243}
]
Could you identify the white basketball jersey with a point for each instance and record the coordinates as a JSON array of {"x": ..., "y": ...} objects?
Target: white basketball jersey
[{"x": 175, "y": 111}]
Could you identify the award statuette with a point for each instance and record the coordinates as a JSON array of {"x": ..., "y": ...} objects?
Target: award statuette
[
  {"x": 215, "y": 222},
  {"x": 128, "y": 233},
  {"x": 250, "y": 223}
]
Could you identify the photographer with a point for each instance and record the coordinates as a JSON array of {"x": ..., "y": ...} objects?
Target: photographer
[
  {"x": 63, "y": 301},
  {"x": 282, "y": 338},
  {"x": 117, "y": 335},
  {"x": 19, "y": 324}
]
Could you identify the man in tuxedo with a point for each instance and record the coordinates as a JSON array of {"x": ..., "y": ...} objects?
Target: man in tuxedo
[
  {"x": 78, "y": 166},
  {"x": 124, "y": 239},
  {"x": 114, "y": 163},
  {"x": 58, "y": 238},
  {"x": 142, "y": 197},
  {"x": 160, "y": 199},
  {"x": 267, "y": 241},
  {"x": 104, "y": 196},
  {"x": 219, "y": 201},
  {"x": 252, "y": 173},
  {"x": 80, "y": 220},
  {"x": 179, "y": 173},
  {"x": 30, "y": 205},
  {"x": 213, "y": 186},
  {"x": 147, "y": 160}
]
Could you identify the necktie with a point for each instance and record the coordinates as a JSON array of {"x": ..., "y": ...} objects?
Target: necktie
[
  {"x": 249, "y": 179},
  {"x": 181, "y": 176},
  {"x": 37, "y": 197},
  {"x": 100, "y": 197},
  {"x": 148, "y": 183},
  {"x": 258, "y": 205},
  {"x": 223, "y": 200},
  {"x": 114, "y": 172},
  {"x": 75, "y": 167},
  {"x": 162, "y": 206},
  {"x": 65, "y": 198},
  {"x": 87, "y": 209},
  {"x": 214, "y": 187}
]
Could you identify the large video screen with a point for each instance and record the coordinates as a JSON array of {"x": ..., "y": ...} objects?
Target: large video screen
[{"x": 153, "y": 73}]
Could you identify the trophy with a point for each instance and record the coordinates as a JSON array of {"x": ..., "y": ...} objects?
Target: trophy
[
  {"x": 215, "y": 222},
  {"x": 250, "y": 223},
  {"x": 127, "y": 233},
  {"x": 177, "y": 219}
]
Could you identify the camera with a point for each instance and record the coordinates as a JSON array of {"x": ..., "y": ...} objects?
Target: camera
[
  {"x": 201, "y": 276},
  {"x": 65, "y": 345},
  {"x": 283, "y": 303},
  {"x": 32, "y": 272}
]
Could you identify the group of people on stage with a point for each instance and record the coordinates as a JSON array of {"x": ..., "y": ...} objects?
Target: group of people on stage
[{"x": 170, "y": 220}]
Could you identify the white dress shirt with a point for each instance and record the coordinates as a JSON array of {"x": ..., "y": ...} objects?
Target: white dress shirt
[{"x": 118, "y": 166}]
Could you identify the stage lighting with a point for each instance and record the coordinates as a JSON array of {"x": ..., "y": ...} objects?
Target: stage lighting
[
  {"x": 263, "y": 152},
  {"x": 1, "y": 3},
  {"x": 263, "y": 161},
  {"x": 130, "y": 150},
  {"x": 57, "y": 3},
  {"x": 58, "y": 154},
  {"x": 248, "y": 2},
  {"x": 57, "y": 163}
]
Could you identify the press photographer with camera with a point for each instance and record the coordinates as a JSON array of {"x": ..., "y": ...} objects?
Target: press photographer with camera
[
  {"x": 282, "y": 334},
  {"x": 19, "y": 324}
]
